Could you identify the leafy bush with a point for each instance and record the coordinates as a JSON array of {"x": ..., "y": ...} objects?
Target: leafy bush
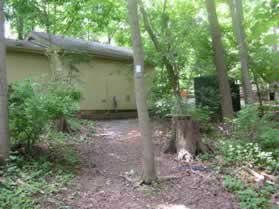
[
  {"x": 27, "y": 112},
  {"x": 61, "y": 99},
  {"x": 32, "y": 105},
  {"x": 253, "y": 139},
  {"x": 162, "y": 106},
  {"x": 241, "y": 153},
  {"x": 250, "y": 126}
]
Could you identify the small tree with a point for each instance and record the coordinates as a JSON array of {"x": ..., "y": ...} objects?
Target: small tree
[
  {"x": 144, "y": 123},
  {"x": 4, "y": 133}
]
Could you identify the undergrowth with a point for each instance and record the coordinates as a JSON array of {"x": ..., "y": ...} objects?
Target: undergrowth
[
  {"x": 27, "y": 181},
  {"x": 250, "y": 141},
  {"x": 80, "y": 131},
  {"x": 251, "y": 196}
]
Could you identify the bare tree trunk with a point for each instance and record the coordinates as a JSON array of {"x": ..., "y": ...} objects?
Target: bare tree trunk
[
  {"x": 144, "y": 122},
  {"x": 219, "y": 58},
  {"x": 237, "y": 20},
  {"x": 4, "y": 129}
]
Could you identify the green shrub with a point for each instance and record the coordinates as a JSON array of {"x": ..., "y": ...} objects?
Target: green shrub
[
  {"x": 162, "y": 107},
  {"x": 253, "y": 139},
  {"x": 60, "y": 99},
  {"x": 241, "y": 153},
  {"x": 251, "y": 127},
  {"x": 32, "y": 105},
  {"x": 27, "y": 113}
]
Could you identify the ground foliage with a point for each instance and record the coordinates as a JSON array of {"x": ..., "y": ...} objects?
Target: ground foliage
[
  {"x": 26, "y": 181},
  {"x": 249, "y": 142},
  {"x": 251, "y": 197},
  {"x": 31, "y": 180}
]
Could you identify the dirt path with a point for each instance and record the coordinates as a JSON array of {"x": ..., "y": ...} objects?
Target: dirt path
[{"x": 116, "y": 152}]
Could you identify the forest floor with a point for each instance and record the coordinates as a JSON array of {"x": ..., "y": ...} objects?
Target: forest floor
[{"x": 112, "y": 160}]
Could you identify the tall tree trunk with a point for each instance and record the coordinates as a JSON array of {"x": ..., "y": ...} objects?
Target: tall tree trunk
[
  {"x": 237, "y": 21},
  {"x": 219, "y": 58},
  {"x": 144, "y": 122},
  {"x": 4, "y": 130}
]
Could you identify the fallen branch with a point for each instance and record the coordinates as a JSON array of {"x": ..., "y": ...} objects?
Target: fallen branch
[
  {"x": 258, "y": 177},
  {"x": 270, "y": 177},
  {"x": 262, "y": 177}
]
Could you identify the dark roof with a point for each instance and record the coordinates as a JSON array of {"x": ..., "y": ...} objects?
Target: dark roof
[
  {"x": 24, "y": 45},
  {"x": 73, "y": 45}
]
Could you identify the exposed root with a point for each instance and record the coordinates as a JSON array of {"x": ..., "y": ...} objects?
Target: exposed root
[{"x": 184, "y": 155}]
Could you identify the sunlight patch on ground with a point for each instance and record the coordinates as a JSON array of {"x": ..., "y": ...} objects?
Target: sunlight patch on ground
[{"x": 172, "y": 207}]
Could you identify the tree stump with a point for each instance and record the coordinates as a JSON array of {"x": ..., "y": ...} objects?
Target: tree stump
[
  {"x": 62, "y": 125},
  {"x": 171, "y": 144},
  {"x": 186, "y": 138}
]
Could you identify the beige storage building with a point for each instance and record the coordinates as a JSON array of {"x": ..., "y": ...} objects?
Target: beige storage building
[{"x": 104, "y": 72}]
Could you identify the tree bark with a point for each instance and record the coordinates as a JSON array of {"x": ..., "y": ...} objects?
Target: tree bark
[
  {"x": 237, "y": 21},
  {"x": 62, "y": 125},
  {"x": 144, "y": 122},
  {"x": 4, "y": 129},
  {"x": 188, "y": 139},
  {"x": 219, "y": 59}
]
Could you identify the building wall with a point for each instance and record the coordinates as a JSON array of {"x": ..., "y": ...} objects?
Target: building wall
[
  {"x": 105, "y": 84},
  {"x": 21, "y": 65}
]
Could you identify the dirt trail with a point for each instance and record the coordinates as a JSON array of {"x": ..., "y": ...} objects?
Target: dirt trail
[{"x": 115, "y": 152}]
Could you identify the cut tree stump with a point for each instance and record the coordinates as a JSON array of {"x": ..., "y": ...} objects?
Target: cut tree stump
[
  {"x": 170, "y": 145},
  {"x": 62, "y": 125},
  {"x": 186, "y": 138}
]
